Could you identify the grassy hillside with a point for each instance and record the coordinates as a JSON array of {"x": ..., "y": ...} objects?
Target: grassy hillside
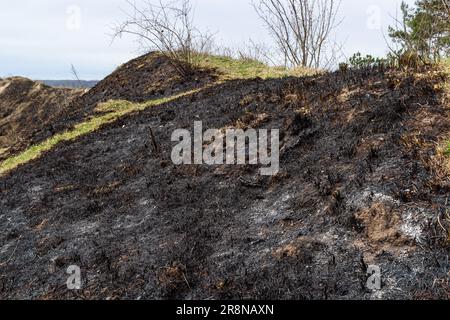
[{"x": 231, "y": 69}]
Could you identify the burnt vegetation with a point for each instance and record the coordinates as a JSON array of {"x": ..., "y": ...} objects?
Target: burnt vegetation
[
  {"x": 357, "y": 187},
  {"x": 364, "y": 181}
]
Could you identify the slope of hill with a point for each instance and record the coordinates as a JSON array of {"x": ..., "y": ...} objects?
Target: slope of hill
[
  {"x": 47, "y": 111},
  {"x": 28, "y": 110},
  {"x": 151, "y": 78},
  {"x": 147, "y": 77},
  {"x": 362, "y": 183}
]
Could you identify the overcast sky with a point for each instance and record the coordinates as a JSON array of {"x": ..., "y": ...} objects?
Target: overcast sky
[{"x": 41, "y": 39}]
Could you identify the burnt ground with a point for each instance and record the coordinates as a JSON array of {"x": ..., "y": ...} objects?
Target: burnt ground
[
  {"x": 31, "y": 112},
  {"x": 360, "y": 184}
]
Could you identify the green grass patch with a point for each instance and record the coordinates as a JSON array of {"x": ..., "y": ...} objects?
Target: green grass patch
[
  {"x": 446, "y": 62},
  {"x": 112, "y": 111},
  {"x": 230, "y": 69},
  {"x": 447, "y": 149},
  {"x": 445, "y": 65}
]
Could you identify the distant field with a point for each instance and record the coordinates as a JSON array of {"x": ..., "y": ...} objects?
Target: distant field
[{"x": 70, "y": 83}]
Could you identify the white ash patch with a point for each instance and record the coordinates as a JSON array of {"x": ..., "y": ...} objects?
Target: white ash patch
[
  {"x": 384, "y": 198},
  {"x": 368, "y": 196},
  {"x": 135, "y": 221},
  {"x": 265, "y": 211},
  {"x": 414, "y": 222},
  {"x": 144, "y": 202},
  {"x": 6, "y": 248},
  {"x": 85, "y": 227}
]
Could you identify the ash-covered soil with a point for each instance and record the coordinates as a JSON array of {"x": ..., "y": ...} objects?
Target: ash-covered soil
[
  {"x": 147, "y": 77},
  {"x": 360, "y": 184},
  {"x": 31, "y": 112}
]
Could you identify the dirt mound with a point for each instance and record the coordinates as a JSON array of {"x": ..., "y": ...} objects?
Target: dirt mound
[
  {"x": 29, "y": 109},
  {"x": 360, "y": 184},
  {"x": 147, "y": 77},
  {"x": 32, "y": 112}
]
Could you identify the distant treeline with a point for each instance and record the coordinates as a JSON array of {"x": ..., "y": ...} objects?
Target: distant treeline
[{"x": 70, "y": 83}]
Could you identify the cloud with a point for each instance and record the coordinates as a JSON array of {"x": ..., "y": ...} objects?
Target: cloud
[{"x": 41, "y": 39}]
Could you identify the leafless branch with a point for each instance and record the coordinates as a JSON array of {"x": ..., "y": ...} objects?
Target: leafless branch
[
  {"x": 166, "y": 27},
  {"x": 301, "y": 29},
  {"x": 74, "y": 72}
]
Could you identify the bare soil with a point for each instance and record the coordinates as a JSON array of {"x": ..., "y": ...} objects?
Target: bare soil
[{"x": 29, "y": 109}]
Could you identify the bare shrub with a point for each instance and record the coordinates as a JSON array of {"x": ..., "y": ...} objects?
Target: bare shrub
[
  {"x": 167, "y": 27},
  {"x": 75, "y": 75},
  {"x": 257, "y": 52},
  {"x": 446, "y": 5},
  {"x": 301, "y": 29}
]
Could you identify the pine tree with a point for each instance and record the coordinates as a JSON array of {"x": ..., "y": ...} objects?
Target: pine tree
[{"x": 425, "y": 30}]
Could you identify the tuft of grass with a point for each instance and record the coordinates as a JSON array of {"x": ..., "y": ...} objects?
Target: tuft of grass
[
  {"x": 112, "y": 111},
  {"x": 446, "y": 64},
  {"x": 231, "y": 69},
  {"x": 447, "y": 149}
]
